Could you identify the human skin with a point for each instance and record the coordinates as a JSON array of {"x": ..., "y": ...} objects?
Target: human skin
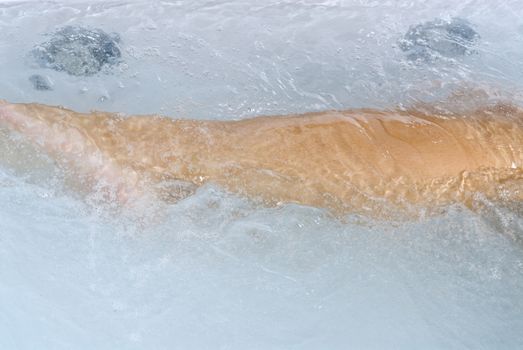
[{"x": 354, "y": 161}]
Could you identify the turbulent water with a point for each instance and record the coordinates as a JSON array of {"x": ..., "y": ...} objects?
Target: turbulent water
[{"x": 216, "y": 271}]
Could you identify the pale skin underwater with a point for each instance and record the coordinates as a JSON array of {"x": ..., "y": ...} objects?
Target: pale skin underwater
[{"x": 354, "y": 161}]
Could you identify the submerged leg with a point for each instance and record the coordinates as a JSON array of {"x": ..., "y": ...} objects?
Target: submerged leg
[{"x": 350, "y": 161}]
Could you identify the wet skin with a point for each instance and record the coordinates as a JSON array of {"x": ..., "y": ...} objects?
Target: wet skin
[{"x": 347, "y": 161}]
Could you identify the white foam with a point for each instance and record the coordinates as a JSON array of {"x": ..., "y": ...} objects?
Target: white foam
[{"x": 216, "y": 271}]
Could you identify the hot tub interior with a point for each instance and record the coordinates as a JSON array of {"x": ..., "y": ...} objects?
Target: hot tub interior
[{"x": 217, "y": 270}]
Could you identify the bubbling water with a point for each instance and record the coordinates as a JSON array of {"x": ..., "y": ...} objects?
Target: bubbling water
[{"x": 216, "y": 270}]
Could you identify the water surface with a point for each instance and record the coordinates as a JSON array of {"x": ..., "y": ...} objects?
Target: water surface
[{"x": 217, "y": 271}]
